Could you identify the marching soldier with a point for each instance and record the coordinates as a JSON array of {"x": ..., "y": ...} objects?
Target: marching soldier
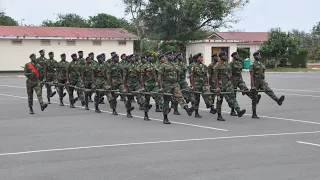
[
  {"x": 75, "y": 78},
  {"x": 61, "y": 76},
  {"x": 157, "y": 98},
  {"x": 212, "y": 81},
  {"x": 174, "y": 61},
  {"x": 124, "y": 61},
  {"x": 168, "y": 83},
  {"x": 81, "y": 59},
  {"x": 91, "y": 55},
  {"x": 50, "y": 67},
  {"x": 132, "y": 82},
  {"x": 150, "y": 81},
  {"x": 114, "y": 77},
  {"x": 199, "y": 82},
  {"x": 88, "y": 68},
  {"x": 41, "y": 61},
  {"x": 257, "y": 70},
  {"x": 31, "y": 71},
  {"x": 224, "y": 85}
]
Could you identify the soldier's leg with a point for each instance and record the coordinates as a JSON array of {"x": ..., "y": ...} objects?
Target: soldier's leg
[
  {"x": 212, "y": 109},
  {"x": 38, "y": 91},
  {"x": 178, "y": 97},
  {"x": 188, "y": 95},
  {"x": 60, "y": 91},
  {"x": 147, "y": 104},
  {"x": 233, "y": 112},
  {"x": 130, "y": 98},
  {"x": 271, "y": 94},
  {"x": 80, "y": 92},
  {"x": 196, "y": 103},
  {"x": 166, "y": 109},
  {"x": 174, "y": 105},
  {"x": 219, "y": 107},
  {"x": 207, "y": 98},
  {"x": 30, "y": 97},
  {"x": 126, "y": 99},
  {"x": 86, "y": 95},
  {"x": 71, "y": 98},
  {"x": 158, "y": 98},
  {"x": 49, "y": 91},
  {"x": 232, "y": 101}
]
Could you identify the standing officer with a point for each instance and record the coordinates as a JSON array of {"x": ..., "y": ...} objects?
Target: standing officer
[
  {"x": 61, "y": 76},
  {"x": 75, "y": 78},
  {"x": 168, "y": 83},
  {"x": 224, "y": 84},
  {"x": 212, "y": 80},
  {"x": 50, "y": 67},
  {"x": 199, "y": 82},
  {"x": 258, "y": 83},
  {"x": 31, "y": 71}
]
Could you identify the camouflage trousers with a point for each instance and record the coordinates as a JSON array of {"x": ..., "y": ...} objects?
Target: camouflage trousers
[
  {"x": 76, "y": 83},
  {"x": 50, "y": 78},
  {"x": 262, "y": 85},
  {"x": 157, "y": 97},
  {"x": 207, "y": 98},
  {"x": 230, "y": 97},
  {"x": 99, "y": 84},
  {"x": 60, "y": 88},
  {"x": 34, "y": 86},
  {"x": 129, "y": 98},
  {"x": 177, "y": 96},
  {"x": 213, "y": 88},
  {"x": 113, "y": 96},
  {"x": 239, "y": 83},
  {"x": 186, "y": 93}
]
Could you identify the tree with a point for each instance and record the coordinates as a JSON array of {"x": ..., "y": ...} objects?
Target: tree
[
  {"x": 67, "y": 20},
  {"x": 7, "y": 20},
  {"x": 103, "y": 20},
  {"x": 243, "y": 53}
]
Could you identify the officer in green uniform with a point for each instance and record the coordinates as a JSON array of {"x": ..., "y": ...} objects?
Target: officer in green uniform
[
  {"x": 224, "y": 84},
  {"x": 75, "y": 78},
  {"x": 212, "y": 80},
  {"x": 50, "y": 67},
  {"x": 81, "y": 59},
  {"x": 124, "y": 61},
  {"x": 174, "y": 104},
  {"x": 257, "y": 70},
  {"x": 168, "y": 83},
  {"x": 61, "y": 76},
  {"x": 31, "y": 71},
  {"x": 88, "y": 79},
  {"x": 199, "y": 82},
  {"x": 41, "y": 61}
]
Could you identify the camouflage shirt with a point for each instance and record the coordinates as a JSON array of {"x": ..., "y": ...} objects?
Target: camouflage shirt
[
  {"x": 199, "y": 73},
  {"x": 133, "y": 73},
  {"x": 41, "y": 61},
  {"x": 98, "y": 69},
  {"x": 114, "y": 73},
  {"x": 182, "y": 71},
  {"x": 149, "y": 74},
  {"x": 258, "y": 69},
  {"x": 51, "y": 65},
  {"x": 62, "y": 68},
  {"x": 211, "y": 73},
  {"x": 74, "y": 69},
  {"x": 31, "y": 76},
  {"x": 169, "y": 73},
  {"x": 88, "y": 72},
  {"x": 222, "y": 73}
]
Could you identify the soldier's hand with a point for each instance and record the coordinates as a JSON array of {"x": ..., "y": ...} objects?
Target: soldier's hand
[
  {"x": 161, "y": 90},
  {"x": 253, "y": 89},
  {"x": 67, "y": 83},
  {"x": 218, "y": 90},
  {"x": 192, "y": 88},
  {"x": 107, "y": 87},
  {"x": 93, "y": 87}
]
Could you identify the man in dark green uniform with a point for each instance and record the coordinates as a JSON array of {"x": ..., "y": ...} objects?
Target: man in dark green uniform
[
  {"x": 258, "y": 82},
  {"x": 41, "y": 61},
  {"x": 88, "y": 74},
  {"x": 124, "y": 61},
  {"x": 50, "y": 67},
  {"x": 31, "y": 71},
  {"x": 212, "y": 80},
  {"x": 61, "y": 76},
  {"x": 224, "y": 84},
  {"x": 80, "y": 58}
]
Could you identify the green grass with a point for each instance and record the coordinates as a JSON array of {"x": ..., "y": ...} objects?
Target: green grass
[{"x": 281, "y": 69}]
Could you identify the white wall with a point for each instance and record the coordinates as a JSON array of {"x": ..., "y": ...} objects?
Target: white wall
[
  {"x": 253, "y": 48},
  {"x": 14, "y": 56},
  {"x": 194, "y": 49}
]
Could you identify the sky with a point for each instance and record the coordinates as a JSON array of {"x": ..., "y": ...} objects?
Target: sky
[{"x": 257, "y": 16}]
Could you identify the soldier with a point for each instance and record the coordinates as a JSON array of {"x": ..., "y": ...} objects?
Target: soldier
[
  {"x": 236, "y": 78},
  {"x": 123, "y": 63},
  {"x": 212, "y": 81},
  {"x": 168, "y": 83},
  {"x": 81, "y": 59},
  {"x": 199, "y": 82},
  {"x": 174, "y": 104},
  {"x": 224, "y": 84},
  {"x": 31, "y": 71},
  {"x": 50, "y": 67},
  {"x": 150, "y": 81},
  {"x": 75, "y": 78},
  {"x": 91, "y": 55},
  {"x": 114, "y": 77},
  {"x": 100, "y": 82},
  {"x": 88, "y": 78},
  {"x": 41, "y": 61},
  {"x": 132, "y": 82},
  {"x": 61, "y": 76},
  {"x": 258, "y": 83}
]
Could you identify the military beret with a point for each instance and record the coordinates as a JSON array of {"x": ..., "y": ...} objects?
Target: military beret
[
  {"x": 129, "y": 56},
  {"x": 197, "y": 55},
  {"x": 161, "y": 56},
  {"x": 115, "y": 56},
  {"x": 63, "y": 54},
  {"x": 88, "y": 58},
  {"x": 148, "y": 55},
  {"x": 222, "y": 53},
  {"x": 214, "y": 55},
  {"x": 169, "y": 53},
  {"x": 73, "y": 55},
  {"x": 256, "y": 53},
  {"x": 123, "y": 55},
  {"x": 80, "y": 51},
  {"x": 50, "y": 53},
  {"x": 113, "y": 53},
  {"x": 91, "y": 53},
  {"x": 143, "y": 57},
  {"x": 31, "y": 55},
  {"x": 234, "y": 53},
  {"x": 99, "y": 56},
  {"x": 42, "y": 50}
]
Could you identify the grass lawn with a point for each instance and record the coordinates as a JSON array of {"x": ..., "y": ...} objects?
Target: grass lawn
[{"x": 281, "y": 69}]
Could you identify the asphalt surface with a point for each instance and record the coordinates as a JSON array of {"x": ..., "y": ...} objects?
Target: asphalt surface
[{"x": 63, "y": 143}]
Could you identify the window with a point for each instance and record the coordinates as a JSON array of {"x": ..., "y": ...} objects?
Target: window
[
  {"x": 17, "y": 42},
  {"x": 122, "y": 42},
  {"x": 45, "y": 42},
  {"x": 71, "y": 42},
  {"x": 96, "y": 42}
]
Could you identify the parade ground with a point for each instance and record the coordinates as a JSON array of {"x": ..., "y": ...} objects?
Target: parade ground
[{"x": 63, "y": 143}]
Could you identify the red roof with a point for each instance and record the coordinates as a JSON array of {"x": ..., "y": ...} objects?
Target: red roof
[
  {"x": 243, "y": 36},
  {"x": 71, "y": 32}
]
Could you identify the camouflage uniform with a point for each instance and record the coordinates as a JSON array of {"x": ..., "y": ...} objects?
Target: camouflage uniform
[
  {"x": 87, "y": 69},
  {"x": 50, "y": 70},
  {"x": 41, "y": 61},
  {"x": 74, "y": 71},
  {"x": 33, "y": 84},
  {"x": 212, "y": 83},
  {"x": 62, "y": 68}
]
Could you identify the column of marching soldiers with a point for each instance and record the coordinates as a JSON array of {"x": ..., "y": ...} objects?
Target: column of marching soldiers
[{"x": 143, "y": 77}]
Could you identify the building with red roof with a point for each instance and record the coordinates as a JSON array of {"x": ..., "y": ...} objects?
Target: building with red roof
[{"x": 18, "y": 42}]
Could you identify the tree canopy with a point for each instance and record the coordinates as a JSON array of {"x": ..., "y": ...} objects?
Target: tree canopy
[{"x": 7, "y": 20}]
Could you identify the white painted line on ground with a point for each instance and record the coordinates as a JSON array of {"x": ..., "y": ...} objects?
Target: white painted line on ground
[
  {"x": 122, "y": 114},
  {"x": 312, "y": 144},
  {"x": 301, "y": 95},
  {"x": 155, "y": 142},
  {"x": 297, "y": 90},
  {"x": 14, "y": 86}
]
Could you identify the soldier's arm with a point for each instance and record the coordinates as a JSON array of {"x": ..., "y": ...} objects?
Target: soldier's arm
[
  {"x": 124, "y": 74},
  {"x": 27, "y": 72},
  {"x": 45, "y": 66},
  {"x": 160, "y": 72},
  {"x": 251, "y": 70},
  {"x": 68, "y": 69},
  {"x": 57, "y": 72},
  {"x": 82, "y": 76},
  {"x": 192, "y": 69},
  {"x": 206, "y": 74},
  {"x": 216, "y": 73}
]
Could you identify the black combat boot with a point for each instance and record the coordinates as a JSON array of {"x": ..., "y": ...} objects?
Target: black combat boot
[
  {"x": 158, "y": 108},
  {"x": 43, "y": 106},
  {"x": 254, "y": 115},
  {"x": 197, "y": 115},
  {"x": 241, "y": 113},
  {"x": 83, "y": 103},
  {"x": 220, "y": 118},
  {"x": 165, "y": 119},
  {"x": 31, "y": 110},
  {"x": 49, "y": 100},
  {"x": 280, "y": 100},
  {"x": 129, "y": 112},
  {"x": 64, "y": 94},
  {"x": 146, "y": 117},
  {"x": 96, "y": 106},
  {"x": 189, "y": 110},
  {"x": 75, "y": 100},
  {"x": 61, "y": 102},
  {"x": 90, "y": 98},
  {"x": 213, "y": 110},
  {"x": 259, "y": 97},
  {"x": 87, "y": 106},
  {"x": 233, "y": 112},
  {"x": 101, "y": 100},
  {"x": 53, "y": 93},
  {"x": 114, "y": 112},
  {"x": 176, "y": 112}
]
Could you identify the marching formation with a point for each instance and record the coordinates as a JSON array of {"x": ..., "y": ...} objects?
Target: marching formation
[{"x": 143, "y": 78}]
